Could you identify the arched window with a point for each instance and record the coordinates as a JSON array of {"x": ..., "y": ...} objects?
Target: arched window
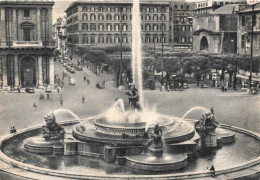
[
  {"x": 101, "y": 39},
  {"x": 116, "y": 17},
  {"x": 92, "y": 39},
  {"x": 92, "y": 17},
  {"x": 84, "y": 17},
  {"x": 109, "y": 17},
  {"x": 147, "y": 27},
  {"x": 117, "y": 27},
  {"x": 109, "y": 27},
  {"x": 147, "y": 17},
  {"x": 163, "y": 17},
  {"x": 125, "y": 17},
  {"x": 85, "y": 39},
  {"x": 155, "y": 27},
  {"x": 101, "y": 17},
  {"x": 109, "y": 39},
  {"x": 124, "y": 27},
  {"x": 155, "y": 17}
]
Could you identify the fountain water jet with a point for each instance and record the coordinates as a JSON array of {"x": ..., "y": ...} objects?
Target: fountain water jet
[
  {"x": 193, "y": 109},
  {"x": 67, "y": 111},
  {"x": 137, "y": 50}
]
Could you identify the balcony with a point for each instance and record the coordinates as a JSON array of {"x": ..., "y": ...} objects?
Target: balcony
[{"x": 27, "y": 43}]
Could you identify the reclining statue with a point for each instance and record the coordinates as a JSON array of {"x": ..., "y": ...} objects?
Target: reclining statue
[
  {"x": 208, "y": 121},
  {"x": 52, "y": 130}
]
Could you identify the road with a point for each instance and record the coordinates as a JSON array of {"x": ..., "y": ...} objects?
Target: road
[{"x": 234, "y": 108}]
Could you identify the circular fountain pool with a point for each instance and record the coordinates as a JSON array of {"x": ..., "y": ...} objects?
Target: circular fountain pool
[{"x": 229, "y": 158}]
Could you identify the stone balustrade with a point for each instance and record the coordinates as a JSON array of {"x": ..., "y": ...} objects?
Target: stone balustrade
[{"x": 26, "y": 43}]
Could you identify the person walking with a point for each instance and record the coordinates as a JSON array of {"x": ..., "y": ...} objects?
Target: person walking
[
  {"x": 61, "y": 101},
  {"x": 34, "y": 106},
  {"x": 85, "y": 78},
  {"x": 83, "y": 99},
  {"x": 48, "y": 96}
]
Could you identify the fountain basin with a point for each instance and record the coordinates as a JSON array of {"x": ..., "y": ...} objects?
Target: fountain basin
[
  {"x": 149, "y": 162},
  {"x": 26, "y": 169},
  {"x": 41, "y": 146}
]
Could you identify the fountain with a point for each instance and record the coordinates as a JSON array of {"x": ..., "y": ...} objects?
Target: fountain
[{"x": 128, "y": 143}]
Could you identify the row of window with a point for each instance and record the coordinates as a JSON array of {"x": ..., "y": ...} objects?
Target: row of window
[
  {"x": 183, "y": 39},
  {"x": 182, "y": 6},
  {"x": 125, "y": 17},
  {"x": 123, "y": 9},
  {"x": 182, "y": 28},
  {"x": 125, "y": 27},
  {"x": 101, "y": 39},
  {"x": 183, "y": 20}
]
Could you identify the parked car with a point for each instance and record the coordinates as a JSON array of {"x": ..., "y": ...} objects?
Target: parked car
[
  {"x": 70, "y": 69},
  {"x": 79, "y": 68},
  {"x": 72, "y": 81},
  {"x": 185, "y": 85},
  {"x": 65, "y": 64},
  {"x": 29, "y": 90}
]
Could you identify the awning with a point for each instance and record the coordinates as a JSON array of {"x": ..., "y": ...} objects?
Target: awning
[{"x": 246, "y": 77}]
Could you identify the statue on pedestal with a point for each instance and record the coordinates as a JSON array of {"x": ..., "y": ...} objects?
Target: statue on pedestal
[
  {"x": 52, "y": 130},
  {"x": 206, "y": 129},
  {"x": 157, "y": 138}
]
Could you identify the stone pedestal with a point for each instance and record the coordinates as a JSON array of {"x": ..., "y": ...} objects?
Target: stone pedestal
[
  {"x": 70, "y": 147},
  {"x": 109, "y": 154}
]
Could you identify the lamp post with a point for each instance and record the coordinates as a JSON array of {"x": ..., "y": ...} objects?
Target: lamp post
[
  {"x": 252, "y": 36},
  {"x": 120, "y": 78},
  {"x": 162, "y": 50}
]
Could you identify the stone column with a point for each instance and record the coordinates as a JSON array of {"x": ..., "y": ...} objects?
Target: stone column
[
  {"x": 4, "y": 64},
  {"x": 50, "y": 26},
  {"x": 51, "y": 70},
  {"x": 39, "y": 38},
  {"x": 14, "y": 25},
  {"x": 40, "y": 82},
  {"x": 16, "y": 71},
  {"x": 2, "y": 28}
]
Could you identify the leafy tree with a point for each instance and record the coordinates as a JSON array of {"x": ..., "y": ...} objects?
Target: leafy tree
[{"x": 199, "y": 65}]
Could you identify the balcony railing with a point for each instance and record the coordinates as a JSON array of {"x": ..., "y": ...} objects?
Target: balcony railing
[{"x": 27, "y": 43}]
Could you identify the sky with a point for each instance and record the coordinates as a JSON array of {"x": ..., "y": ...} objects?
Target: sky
[{"x": 59, "y": 7}]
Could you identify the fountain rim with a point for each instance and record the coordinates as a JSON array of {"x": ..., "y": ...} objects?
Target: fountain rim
[
  {"x": 128, "y": 127},
  {"x": 56, "y": 173}
]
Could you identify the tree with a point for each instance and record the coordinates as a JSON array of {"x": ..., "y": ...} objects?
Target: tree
[{"x": 199, "y": 65}]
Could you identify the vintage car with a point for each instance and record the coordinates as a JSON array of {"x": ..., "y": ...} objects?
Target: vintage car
[{"x": 71, "y": 81}]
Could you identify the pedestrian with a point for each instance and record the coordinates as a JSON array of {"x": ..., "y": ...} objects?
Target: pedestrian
[
  {"x": 19, "y": 89},
  {"x": 85, "y": 78},
  {"x": 83, "y": 99},
  {"x": 14, "y": 130},
  {"x": 212, "y": 171},
  {"x": 61, "y": 101},
  {"x": 48, "y": 96},
  {"x": 34, "y": 106},
  {"x": 88, "y": 82}
]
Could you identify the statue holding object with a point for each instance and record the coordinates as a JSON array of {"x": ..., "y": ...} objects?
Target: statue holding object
[{"x": 52, "y": 130}]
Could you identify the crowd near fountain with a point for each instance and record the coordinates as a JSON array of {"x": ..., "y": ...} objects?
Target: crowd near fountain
[{"x": 136, "y": 139}]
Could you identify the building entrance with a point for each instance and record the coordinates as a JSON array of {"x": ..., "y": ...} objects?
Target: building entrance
[{"x": 28, "y": 72}]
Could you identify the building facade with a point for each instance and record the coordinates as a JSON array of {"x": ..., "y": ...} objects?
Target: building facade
[
  {"x": 183, "y": 14},
  {"x": 244, "y": 32},
  {"x": 209, "y": 6},
  {"x": 99, "y": 23},
  {"x": 217, "y": 32},
  {"x": 60, "y": 35},
  {"x": 26, "y": 46}
]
